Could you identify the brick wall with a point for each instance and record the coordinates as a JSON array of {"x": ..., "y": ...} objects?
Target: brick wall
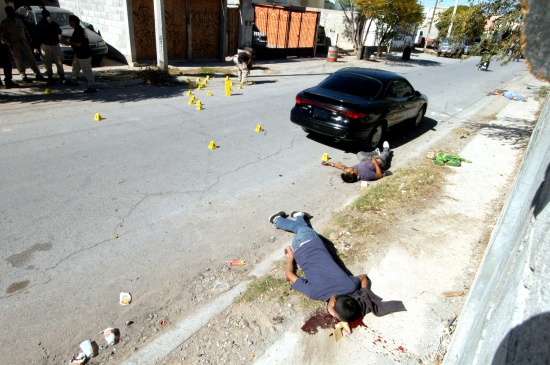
[{"x": 112, "y": 18}]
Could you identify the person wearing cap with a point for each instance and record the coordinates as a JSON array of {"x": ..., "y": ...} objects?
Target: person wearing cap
[
  {"x": 324, "y": 279},
  {"x": 14, "y": 34},
  {"x": 48, "y": 32},
  {"x": 371, "y": 165},
  {"x": 82, "y": 55}
]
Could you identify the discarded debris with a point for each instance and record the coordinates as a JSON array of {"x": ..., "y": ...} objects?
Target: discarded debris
[
  {"x": 456, "y": 293},
  {"x": 236, "y": 263},
  {"x": 112, "y": 335},
  {"x": 78, "y": 359},
  {"x": 89, "y": 348},
  {"x": 125, "y": 298}
]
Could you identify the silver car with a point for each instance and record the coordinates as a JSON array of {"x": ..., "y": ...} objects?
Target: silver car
[{"x": 32, "y": 16}]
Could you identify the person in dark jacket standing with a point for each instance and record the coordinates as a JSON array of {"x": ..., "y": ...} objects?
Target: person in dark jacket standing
[
  {"x": 5, "y": 63},
  {"x": 82, "y": 55},
  {"x": 48, "y": 32}
]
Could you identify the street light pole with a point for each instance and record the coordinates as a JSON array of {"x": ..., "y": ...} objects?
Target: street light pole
[{"x": 430, "y": 27}]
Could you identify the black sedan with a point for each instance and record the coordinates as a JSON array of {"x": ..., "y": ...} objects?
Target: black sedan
[{"x": 358, "y": 104}]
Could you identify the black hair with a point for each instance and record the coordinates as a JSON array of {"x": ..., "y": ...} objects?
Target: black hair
[
  {"x": 74, "y": 18},
  {"x": 349, "y": 177},
  {"x": 347, "y": 308},
  {"x": 45, "y": 13}
]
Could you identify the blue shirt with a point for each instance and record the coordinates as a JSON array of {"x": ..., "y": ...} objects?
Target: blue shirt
[
  {"x": 324, "y": 278},
  {"x": 366, "y": 171}
]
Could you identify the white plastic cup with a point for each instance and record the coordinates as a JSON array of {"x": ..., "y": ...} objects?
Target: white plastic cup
[{"x": 87, "y": 348}]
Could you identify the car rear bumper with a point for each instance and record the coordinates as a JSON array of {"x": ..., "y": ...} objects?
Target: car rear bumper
[{"x": 336, "y": 130}]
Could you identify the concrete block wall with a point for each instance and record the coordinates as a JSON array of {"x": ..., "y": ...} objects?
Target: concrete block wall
[
  {"x": 113, "y": 18},
  {"x": 335, "y": 28}
]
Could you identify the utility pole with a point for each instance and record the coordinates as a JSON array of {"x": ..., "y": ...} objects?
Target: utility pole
[
  {"x": 452, "y": 20},
  {"x": 430, "y": 27},
  {"x": 160, "y": 35}
]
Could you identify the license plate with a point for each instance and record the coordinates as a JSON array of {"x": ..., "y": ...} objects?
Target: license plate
[{"x": 323, "y": 114}]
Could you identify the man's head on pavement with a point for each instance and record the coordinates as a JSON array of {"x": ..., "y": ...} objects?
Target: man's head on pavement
[
  {"x": 10, "y": 12},
  {"x": 347, "y": 309},
  {"x": 74, "y": 21},
  {"x": 349, "y": 175}
]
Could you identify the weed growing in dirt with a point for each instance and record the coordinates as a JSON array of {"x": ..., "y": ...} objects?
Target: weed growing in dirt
[
  {"x": 156, "y": 76},
  {"x": 406, "y": 191},
  {"x": 541, "y": 93},
  {"x": 268, "y": 287}
]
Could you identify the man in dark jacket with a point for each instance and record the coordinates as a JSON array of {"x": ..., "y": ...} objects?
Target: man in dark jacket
[
  {"x": 82, "y": 55},
  {"x": 5, "y": 63},
  {"x": 48, "y": 33}
]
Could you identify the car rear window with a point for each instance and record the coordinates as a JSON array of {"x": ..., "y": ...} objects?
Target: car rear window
[{"x": 352, "y": 84}]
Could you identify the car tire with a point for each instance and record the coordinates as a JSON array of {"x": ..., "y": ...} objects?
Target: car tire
[
  {"x": 375, "y": 137},
  {"x": 418, "y": 119},
  {"x": 96, "y": 60}
]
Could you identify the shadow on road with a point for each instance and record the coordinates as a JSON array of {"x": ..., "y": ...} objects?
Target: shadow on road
[
  {"x": 127, "y": 94},
  {"x": 396, "y": 136}
]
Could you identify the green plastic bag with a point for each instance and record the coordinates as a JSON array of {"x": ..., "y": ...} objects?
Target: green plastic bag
[{"x": 449, "y": 159}]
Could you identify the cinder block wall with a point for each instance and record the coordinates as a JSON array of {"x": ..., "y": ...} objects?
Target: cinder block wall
[{"x": 113, "y": 18}]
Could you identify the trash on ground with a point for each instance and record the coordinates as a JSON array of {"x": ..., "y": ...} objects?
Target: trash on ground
[
  {"x": 456, "y": 293},
  {"x": 125, "y": 298},
  {"x": 78, "y": 359},
  {"x": 449, "y": 159},
  {"x": 89, "y": 348},
  {"x": 236, "y": 263},
  {"x": 112, "y": 335}
]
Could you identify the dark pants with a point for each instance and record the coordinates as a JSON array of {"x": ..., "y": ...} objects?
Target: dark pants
[
  {"x": 5, "y": 61},
  {"x": 385, "y": 157},
  {"x": 406, "y": 54}
]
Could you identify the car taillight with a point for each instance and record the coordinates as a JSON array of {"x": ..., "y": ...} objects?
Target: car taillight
[
  {"x": 300, "y": 101},
  {"x": 353, "y": 115}
]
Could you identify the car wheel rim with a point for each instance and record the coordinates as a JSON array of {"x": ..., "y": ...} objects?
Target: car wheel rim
[
  {"x": 376, "y": 136},
  {"x": 419, "y": 117}
]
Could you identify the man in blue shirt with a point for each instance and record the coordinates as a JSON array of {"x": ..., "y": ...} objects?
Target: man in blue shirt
[
  {"x": 324, "y": 279},
  {"x": 370, "y": 168}
]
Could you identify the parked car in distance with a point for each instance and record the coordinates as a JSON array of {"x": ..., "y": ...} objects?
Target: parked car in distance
[
  {"x": 359, "y": 104},
  {"x": 448, "y": 49},
  {"x": 32, "y": 16},
  {"x": 259, "y": 39}
]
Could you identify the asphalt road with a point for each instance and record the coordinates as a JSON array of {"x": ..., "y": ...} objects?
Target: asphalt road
[{"x": 137, "y": 202}]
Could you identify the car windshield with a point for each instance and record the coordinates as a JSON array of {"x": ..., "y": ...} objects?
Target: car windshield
[{"x": 352, "y": 84}]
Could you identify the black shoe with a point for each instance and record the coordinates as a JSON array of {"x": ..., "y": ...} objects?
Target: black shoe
[
  {"x": 90, "y": 90},
  {"x": 11, "y": 84},
  {"x": 275, "y": 215},
  {"x": 70, "y": 82},
  {"x": 39, "y": 77},
  {"x": 26, "y": 79}
]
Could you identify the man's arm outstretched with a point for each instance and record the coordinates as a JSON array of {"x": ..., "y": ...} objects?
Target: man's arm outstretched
[{"x": 289, "y": 270}]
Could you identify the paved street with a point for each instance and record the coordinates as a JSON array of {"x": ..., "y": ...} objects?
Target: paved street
[{"x": 137, "y": 202}]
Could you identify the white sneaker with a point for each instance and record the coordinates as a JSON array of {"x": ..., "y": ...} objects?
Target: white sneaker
[
  {"x": 297, "y": 213},
  {"x": 377, "y": 151},
  {"x": 386, "y": 145}
]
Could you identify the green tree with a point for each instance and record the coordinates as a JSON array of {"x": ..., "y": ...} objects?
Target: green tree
[
  {"x": 503, "y": 39},
  {"x": 388, "y": 15},
  {"x": 469, "y": 22}
]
